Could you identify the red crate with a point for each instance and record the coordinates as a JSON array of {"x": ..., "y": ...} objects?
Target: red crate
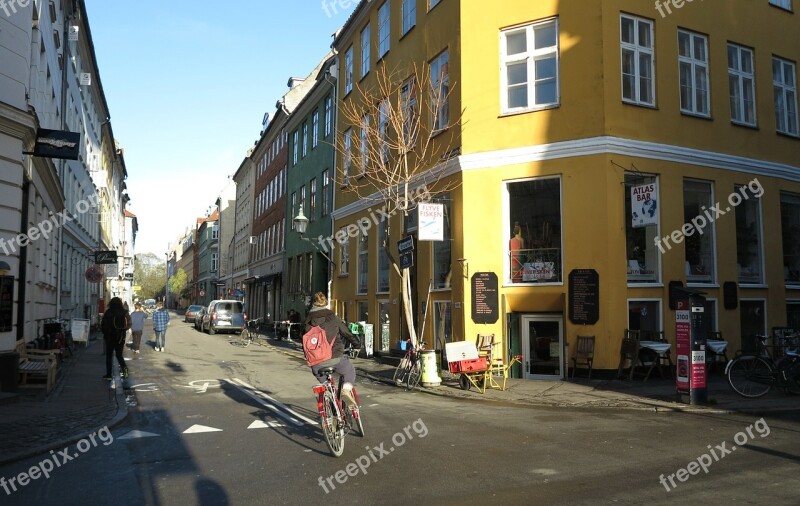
[{"x": 475, "y": 364}]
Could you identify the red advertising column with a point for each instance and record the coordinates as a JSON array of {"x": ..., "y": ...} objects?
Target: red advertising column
[{"x": 683, "y": 326}]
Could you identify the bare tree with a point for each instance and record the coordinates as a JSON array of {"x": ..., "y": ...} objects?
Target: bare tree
[{"x": 399, "y": 136}]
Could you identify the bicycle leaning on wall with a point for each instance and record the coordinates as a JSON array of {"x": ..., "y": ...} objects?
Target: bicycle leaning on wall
[
  {"x": 409, "y": 370},
  {"x": 754, "y": 375}
]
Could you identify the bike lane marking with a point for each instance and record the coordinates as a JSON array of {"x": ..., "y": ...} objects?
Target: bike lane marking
[{"x": 274, "y": 405}]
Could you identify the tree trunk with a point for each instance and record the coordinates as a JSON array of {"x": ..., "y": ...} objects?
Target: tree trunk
[{"x": 406, "y": 289}]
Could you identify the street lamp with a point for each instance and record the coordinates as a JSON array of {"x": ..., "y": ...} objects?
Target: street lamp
[
  {"x": 166, "y": 285},
  {"x": 300, "y": 222}
]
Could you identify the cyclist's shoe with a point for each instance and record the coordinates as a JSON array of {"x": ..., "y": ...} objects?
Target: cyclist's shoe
[
  {"x": 347, "y": 395},
  {"x": 125, "y": 373}
]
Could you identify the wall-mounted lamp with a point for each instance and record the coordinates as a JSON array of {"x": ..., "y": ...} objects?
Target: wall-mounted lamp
[
  {"x": 4, "y": 268},
  {"x": 300, "y": 222}
]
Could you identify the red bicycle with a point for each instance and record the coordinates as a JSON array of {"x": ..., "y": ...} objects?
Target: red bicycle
[{"x": 336, "y": 417}]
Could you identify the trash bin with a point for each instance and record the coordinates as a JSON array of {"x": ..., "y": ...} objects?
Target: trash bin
[
  {"x": 9, "y": 372},
  {"x": 430, "y": 369}
]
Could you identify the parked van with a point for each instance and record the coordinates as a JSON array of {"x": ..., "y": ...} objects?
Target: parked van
[{"x": 224, "y": 316}]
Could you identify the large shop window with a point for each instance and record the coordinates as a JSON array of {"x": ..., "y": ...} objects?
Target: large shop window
[
  {"x": 699, "y": 245},
  {"x": 644, "y": 315},
  {"x": 383, "y": 257},
  {"x": 793, "y": 314},
  {"x": 641, "y": 228},
  {"x": 790, "y": 230},
  {"x": 534, "y": 248},
  {"x": 748, "y": 237},
  {"x": 442, "y": 264}
]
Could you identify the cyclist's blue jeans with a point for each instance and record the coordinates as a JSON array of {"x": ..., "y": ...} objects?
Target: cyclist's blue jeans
[{"x": 343, "y": 366}]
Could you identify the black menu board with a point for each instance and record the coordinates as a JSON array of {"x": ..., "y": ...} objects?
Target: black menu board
[
  {"x": 584, "y": 296},
  {"x": 485, "y": 300},
  {"x": 6, "y": 303}
]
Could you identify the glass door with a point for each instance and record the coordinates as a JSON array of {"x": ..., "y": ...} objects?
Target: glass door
[{"x": 543, "y": 347}]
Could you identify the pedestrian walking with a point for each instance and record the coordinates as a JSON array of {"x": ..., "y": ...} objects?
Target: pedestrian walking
[
  {"x": 115, "y": 323},
  {"x": 137, "y": 326},
  {"x": 160, "y": 324}
]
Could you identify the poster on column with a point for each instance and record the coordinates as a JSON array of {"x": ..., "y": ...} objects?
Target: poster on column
[{"x": 644, "y": 205}]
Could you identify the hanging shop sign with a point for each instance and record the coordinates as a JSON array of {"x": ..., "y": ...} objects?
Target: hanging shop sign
[
  {"x": 644, "y": 205},
  {"x": 94, "y": 274},
  {"x": 105, "y": 257},
  {"x": 431, "y": 221},
  {"x": 56, "y": 144}
]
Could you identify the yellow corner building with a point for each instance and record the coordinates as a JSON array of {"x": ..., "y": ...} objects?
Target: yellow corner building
[{"x": 633, "y": 145}]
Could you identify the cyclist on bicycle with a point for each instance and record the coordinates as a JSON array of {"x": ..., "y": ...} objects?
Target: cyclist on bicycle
[{"x": 334, "y": 327}]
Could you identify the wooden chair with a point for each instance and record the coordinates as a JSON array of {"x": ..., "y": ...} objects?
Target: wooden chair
[
  {"x": 629, "y": 351},
  {"x": 36, "y": 364},
  {"x": 488, "y": 347},
  {"x": 584, "y": 354}
]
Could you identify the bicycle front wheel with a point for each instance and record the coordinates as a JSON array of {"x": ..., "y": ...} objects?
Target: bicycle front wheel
[
  {"x": 401, "y": 372},
  {"x": 414, "y": 375},
  {"x": 750, "y": 376},
  {"x": 793, "y": 378},
  {"x": 331, "y": 426}
]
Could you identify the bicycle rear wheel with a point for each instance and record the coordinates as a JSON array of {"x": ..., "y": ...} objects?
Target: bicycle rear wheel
[
  {"x": 244, "y": 338},
  {"x": 750, "y": 376},
  {"x": 331, "y": 426},
  {"x": 414, "y": 375}
]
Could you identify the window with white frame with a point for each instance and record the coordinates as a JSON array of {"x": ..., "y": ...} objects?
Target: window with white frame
[
  {"x": 315, "y": 129},
  {"x": 364, "y": 148},
  {"x": 752, "y": 322},
  {"x": 305, "y": 138},
  {"x": 409, "y": 15},
  {"x": 741, "y": 85},
  {"x": 790, "y": 232},
  {"x": 784, "y": 82},
  {"x": 638, "y": 66},
  {"x": 348, "y": 70},
  {"x": 749, "y": 241},
  {"x": 408, "y": 103},
  {"x": 534, "y": 219},
  {"x": 440, "y": 89},
  {"x": 326, "y": 189},
  {"x": 214, "y": 262},
  {"x": 642, "y": 258},
  {"x": 348, "y": 155},
  {"x": 698, "y": 245},
  {"x": 644, "y": 315},
  {"x": 344, "y": 252},
  {"x": 783, "y": 4},
  {"x": 365, "y": 50},
  {"x": 363, "y": 263},
  {"x": 382, "y": 243},
  {"x": 383, "y": 129},
  {"x": 328, "y": 115},
  {"x": 295, "y": 147},
  {"x": 293, "y": 207},
  {"x": 312, "y": 199},
  {"x": 303, "y": 200},
  {"x": 529, "y": 67},
  {"x": 215, "y": 232},
  {"x": 384, "y": 29},
  {"x": 793, "y": 314},
  {"x": 693, "y": 68}
]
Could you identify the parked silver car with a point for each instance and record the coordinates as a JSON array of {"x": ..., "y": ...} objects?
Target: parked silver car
[{"x": 223, "y": 316}]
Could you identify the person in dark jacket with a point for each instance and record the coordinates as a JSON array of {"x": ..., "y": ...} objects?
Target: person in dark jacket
[
  {"x": 114, "y": 337},
  {"x": 334, "y": 327}
]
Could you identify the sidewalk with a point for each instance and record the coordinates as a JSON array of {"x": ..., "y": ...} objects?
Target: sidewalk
[{"x": 82, "y": 403}]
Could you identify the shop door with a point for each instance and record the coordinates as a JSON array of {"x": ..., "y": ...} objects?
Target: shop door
[{"x": 543, "y": 347}]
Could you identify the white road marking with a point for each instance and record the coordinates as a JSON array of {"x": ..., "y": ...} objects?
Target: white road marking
[
  {"x": 260, "y": 424},
  {"x": 145, "y": 387},
  {"x": 196, "y": 429},
  {"x": 273, "y": 404},
  {"x": 202, "y": 385},
  {"x": 136, "y": 434}
]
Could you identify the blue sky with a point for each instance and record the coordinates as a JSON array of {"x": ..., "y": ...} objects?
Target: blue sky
[{"x": 187, "y": 83}]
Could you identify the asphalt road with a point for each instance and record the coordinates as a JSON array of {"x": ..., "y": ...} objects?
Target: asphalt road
[{"x": 214, "y": 424}]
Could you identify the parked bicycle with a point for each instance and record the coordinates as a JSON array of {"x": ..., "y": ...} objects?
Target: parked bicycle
[
  {"x": 251, "y": 333},
  {"x": 754, "y": 375},
  {"x": 336, "y": 417},
  {"x": 409, "y": 370}
]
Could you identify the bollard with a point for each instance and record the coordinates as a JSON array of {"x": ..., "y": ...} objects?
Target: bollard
[{"x": 430, "y": 371}]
